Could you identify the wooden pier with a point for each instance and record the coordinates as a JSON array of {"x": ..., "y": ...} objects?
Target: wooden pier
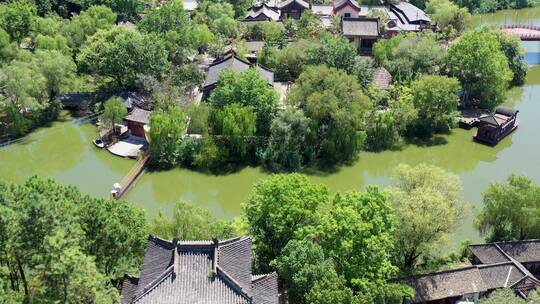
[{"x": 131, "y": 177}]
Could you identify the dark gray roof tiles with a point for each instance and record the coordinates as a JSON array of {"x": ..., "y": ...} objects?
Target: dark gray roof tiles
[
  {"x": 445, "y": 284},
  {"x": 488, "y": 253},
  {"x": 265, "y": 289},
  {"x": 157, "y": 259},
  {"x": 234, "y": 257},
  {"x": 128, "y": 289},
  {"x": 501, "y": 275},
  {"x": 235, "y": 64},
  {"x": 523, "y": 251},
  {"x": 200, "y": 272}
]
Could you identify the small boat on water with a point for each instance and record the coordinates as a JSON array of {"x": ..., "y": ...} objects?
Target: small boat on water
[
  {"x": 494, "y": 127},
  {"x": 99, "y": 143}
]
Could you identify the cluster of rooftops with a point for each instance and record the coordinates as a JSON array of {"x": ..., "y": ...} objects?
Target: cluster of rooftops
[
  {"x": 512, "y": 264},
  {"x": 220, "y": 271},
  {"x": 401, "y": 16}
]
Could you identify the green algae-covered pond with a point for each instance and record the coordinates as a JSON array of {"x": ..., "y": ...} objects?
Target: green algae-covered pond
[{"x": 64, "y": 151}]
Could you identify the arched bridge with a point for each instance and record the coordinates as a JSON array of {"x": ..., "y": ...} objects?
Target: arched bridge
[{"x": 525, "y": 32}]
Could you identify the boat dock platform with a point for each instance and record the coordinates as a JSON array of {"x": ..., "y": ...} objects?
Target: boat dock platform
[
  {"x": 470, "y": 118},
  {"x": 119, "y": 189}
]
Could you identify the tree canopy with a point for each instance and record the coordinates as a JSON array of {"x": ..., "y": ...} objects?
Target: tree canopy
[
  {"x": 72, "y": 244},
  {"x": 482, "y": 68},
  {"x": 335, "y": 105},
  {"x": 428, "y": 206},
  {"x": 510, "y": 210}
]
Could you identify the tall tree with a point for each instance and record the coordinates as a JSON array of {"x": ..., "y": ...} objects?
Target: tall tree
[
  {"x": 335, "y": 104},
  {"x": 247, "y": 88},
  {"x": 279, "y": 208},
  {"x": 428, "y": 206},
  {"x": 511, "y": 210},
  {"x": 90, "y": 21},
  {"x": 115, "y": 111},
  {"x": 122, "y": 54},
  {"x": 236, "y": 123},
  {"x": 167, "y": 129},
  {"x": 407, "y": 56},
  {"x": 451, "y": 19},
  {"x": 166, "y": 17},
  {"x": 436, "y": 99},
  {"x": 17, "y": 17},
  {"x": 288, "y": 139},
  {"x": 481, "y": 67}
]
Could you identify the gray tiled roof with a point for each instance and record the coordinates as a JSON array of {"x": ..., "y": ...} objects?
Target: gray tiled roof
[
  {"x": 488, "y": 253},
  {"x": 411, "y": 12},
  {"x": 262, "y": 13},
  {"x": 206, "y": 272},
  {"x": 523, "y": 251},
  {"x": 128, "y": 289},
  {"x": 501, "y": 268},
  {"x": 237, "y": 65},
  {"x": 264, "y": 289},
  {"x": 139, "y": 115},
  {"x": 445, "y": 284},
  {"x": 500, "y": 275},
  {"x": 364, "y": 27}
]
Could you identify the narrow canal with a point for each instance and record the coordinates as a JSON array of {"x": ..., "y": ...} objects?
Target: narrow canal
[{"x": 64, "y": 151}]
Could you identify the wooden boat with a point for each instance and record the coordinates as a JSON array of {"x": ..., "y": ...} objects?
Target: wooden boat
[
  {"x": 494, "y": 127},
  {"x": 99, "y": 143}
]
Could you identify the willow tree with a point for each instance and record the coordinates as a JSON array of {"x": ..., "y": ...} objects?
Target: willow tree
[{"x": 428, "y": 206}]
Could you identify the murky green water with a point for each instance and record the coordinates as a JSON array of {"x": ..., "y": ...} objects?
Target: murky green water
[{"x": 64, "y": 151}]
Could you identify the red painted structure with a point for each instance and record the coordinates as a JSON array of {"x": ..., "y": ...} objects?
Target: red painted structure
[{"x": 525, "y": 32}]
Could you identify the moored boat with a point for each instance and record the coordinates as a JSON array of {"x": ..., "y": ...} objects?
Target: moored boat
[{"x": 494, "y": 127}]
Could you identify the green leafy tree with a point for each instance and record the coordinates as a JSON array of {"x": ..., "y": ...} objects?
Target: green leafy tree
[
  {"x": 279, "y": 208},
  {"x": 169, "y": 16},
  {"x": 24, "y": 86},
  {"x": 288, "y": 63},
  {"x": 407, "y": 56},
  {"x": 511, "y": 210},
  {"x": 48, "y": 240},
  {"x": 123, "y": 54},
  {"x": 236, "y": 123},
  {"x": 17, "y": 17},
  {"x": 335, "y": 105},
  {"x": 436, "y": 99},
  {"x": 288, "y": 139},
  {"x": 507, "y": 295},
  {"x": 304, "y": 269},
  {"x": 89, "y": 22},
  {"x": 449, "y": 17},
  {"x": 190, "y": 222},
  {"x": 126, "y": 10},
  {"x": 247, "y": 88},
  {"x": 382, "y": 131},
  {"x": 57, "y": 68},
  {"x": 481, "y": 67},
  {"x": 428, "y": 207},
  {"x": 356, "y": 232},
  {"x": 115, "y": 111},
  {"x": 167, "y": 129},
  {"x": 219, "y": 17},
  {"x": 512, "y": 49}
]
